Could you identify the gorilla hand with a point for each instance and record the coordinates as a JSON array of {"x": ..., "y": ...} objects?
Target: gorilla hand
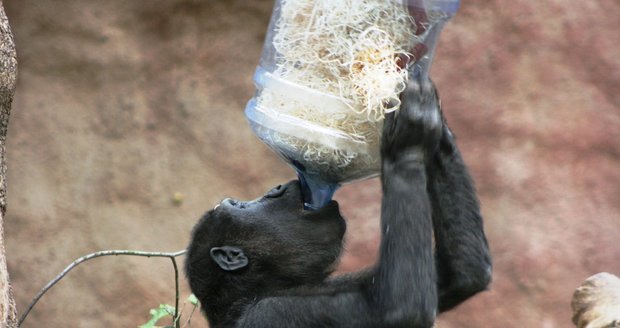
[{"x": 412, "y": 133}]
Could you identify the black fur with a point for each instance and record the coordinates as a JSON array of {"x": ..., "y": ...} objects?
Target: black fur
[{"x": 266, "y": 263}]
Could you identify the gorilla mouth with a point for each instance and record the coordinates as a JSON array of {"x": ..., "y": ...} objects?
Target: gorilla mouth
[{"x": 294, "y": 186}]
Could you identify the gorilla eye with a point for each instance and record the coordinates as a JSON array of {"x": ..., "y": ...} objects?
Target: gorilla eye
[{"x": 275, "y": 192}]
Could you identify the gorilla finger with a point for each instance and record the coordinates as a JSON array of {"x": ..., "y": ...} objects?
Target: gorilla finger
[{"x": 389, "y": 123}]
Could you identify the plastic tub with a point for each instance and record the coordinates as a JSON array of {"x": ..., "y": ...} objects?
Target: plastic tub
[{"x": 330, "y": 71}]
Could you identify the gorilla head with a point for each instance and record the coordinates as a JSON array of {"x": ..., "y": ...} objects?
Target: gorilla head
[{"x": 262, "y": 246}]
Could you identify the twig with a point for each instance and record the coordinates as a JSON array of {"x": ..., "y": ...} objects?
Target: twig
[
  {"x": 91, "y": 256},
  {"x": 176, "y": 288}
]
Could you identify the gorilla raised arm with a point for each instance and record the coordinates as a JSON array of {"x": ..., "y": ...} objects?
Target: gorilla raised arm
[{"x": 266, "y": 263}]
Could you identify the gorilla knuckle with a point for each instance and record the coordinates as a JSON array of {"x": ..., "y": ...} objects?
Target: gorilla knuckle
[
  {"x": 474, "y": 283},
  {"x": 421, "y": 104},
  {"x": 485, "y": 277}
]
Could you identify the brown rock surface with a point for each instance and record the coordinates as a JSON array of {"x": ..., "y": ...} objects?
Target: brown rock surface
[{"x": 121, "y": 105}]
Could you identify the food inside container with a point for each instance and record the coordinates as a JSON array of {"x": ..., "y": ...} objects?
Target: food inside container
[{"x": 330, "y": 72}]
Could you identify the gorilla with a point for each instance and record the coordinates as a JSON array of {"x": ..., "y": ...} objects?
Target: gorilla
[{"x": 267, "y": 262}]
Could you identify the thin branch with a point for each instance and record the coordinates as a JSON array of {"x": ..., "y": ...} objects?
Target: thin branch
[
  {"x": 176, "y": 288},
  {"x": 99, "y": 254}
]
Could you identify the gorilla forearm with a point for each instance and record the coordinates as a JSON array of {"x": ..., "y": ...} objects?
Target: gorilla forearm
[
  {"x": 405, "y": 286},
  {"x": 462, "y": 254}
]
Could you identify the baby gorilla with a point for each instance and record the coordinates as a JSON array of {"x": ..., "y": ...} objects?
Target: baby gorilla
[{"x": 267, "y": 262}]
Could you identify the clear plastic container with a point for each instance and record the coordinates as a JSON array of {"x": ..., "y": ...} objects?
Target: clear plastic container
[{"x": 330, "y": 71}]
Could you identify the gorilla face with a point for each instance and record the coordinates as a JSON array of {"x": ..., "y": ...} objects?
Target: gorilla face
[
  {"x": 270, "y": 241},
  {"x": 280, "y": 213}
]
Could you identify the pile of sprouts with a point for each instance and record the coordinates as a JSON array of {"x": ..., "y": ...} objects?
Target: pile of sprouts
[{"x": 353, "y": 51}]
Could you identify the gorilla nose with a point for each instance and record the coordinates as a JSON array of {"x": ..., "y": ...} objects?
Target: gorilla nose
[
  {"x": 291, "y": 190},
  {"x": 276, "y": 192}
]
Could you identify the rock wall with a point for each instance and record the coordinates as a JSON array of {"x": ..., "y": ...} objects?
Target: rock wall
[{"x": 122, "y": 104}]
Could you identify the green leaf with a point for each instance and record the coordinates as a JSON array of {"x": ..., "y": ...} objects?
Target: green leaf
[
  {"x": 163, "y": 311},
  {"x": 192, "y": 299}
]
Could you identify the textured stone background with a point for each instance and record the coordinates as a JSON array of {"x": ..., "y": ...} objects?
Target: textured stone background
[{"x": 120, "y": 104}]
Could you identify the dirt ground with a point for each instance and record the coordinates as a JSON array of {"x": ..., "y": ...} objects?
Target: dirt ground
[{"x": 122, "y": 104}]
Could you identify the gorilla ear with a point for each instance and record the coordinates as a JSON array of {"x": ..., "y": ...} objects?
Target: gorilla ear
[{"x": 229, "y": 258}]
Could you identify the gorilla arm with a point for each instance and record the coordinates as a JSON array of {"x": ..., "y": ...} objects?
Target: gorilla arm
[{"x": 462, "y": 253}]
